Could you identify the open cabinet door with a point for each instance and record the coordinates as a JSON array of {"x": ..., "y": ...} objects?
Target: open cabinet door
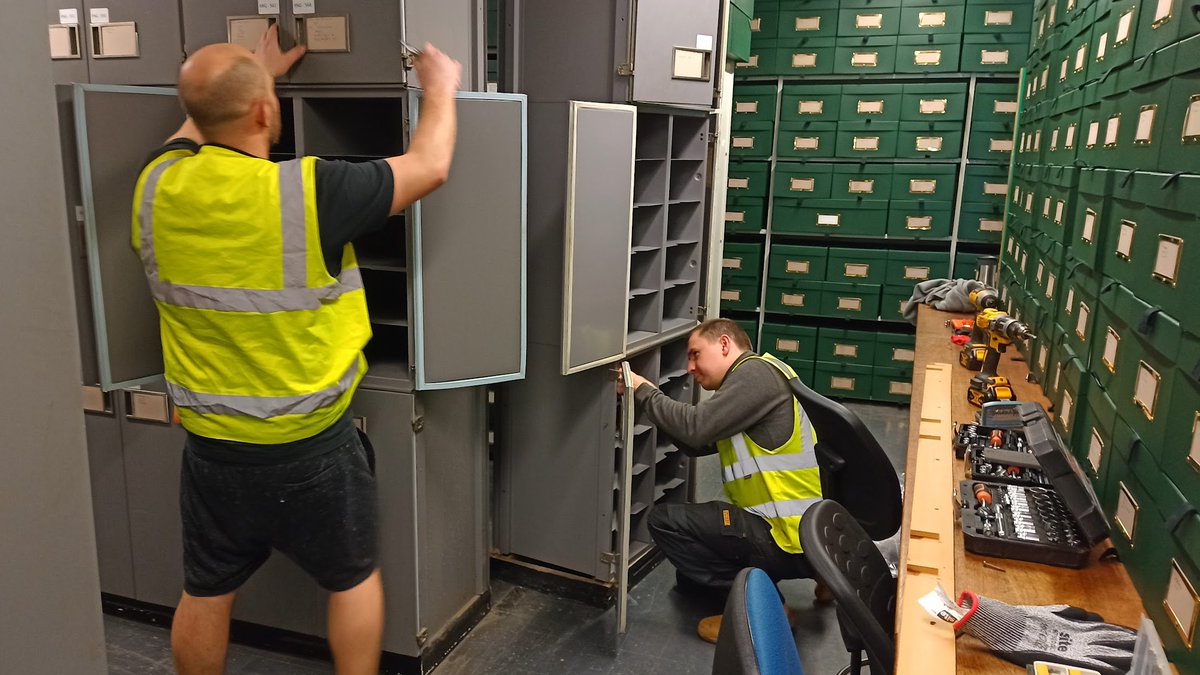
[
  {"x": 675, "y": 52},
  {"x": 598, "y": 237},
  {"x": 116, "y": 129},
  {"x": 468, "y": 251}
]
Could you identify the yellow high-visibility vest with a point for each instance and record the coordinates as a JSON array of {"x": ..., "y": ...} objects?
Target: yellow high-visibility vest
[
  {"x": 778, "y": 484},
  {"x": 260, "y": 344}
]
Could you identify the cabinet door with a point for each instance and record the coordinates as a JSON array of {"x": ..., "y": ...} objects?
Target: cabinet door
[
  {"x": 468, "y": 251},
  {"x": 111, "y": 155},
  {"x": 133, "y": 41},
  {"x": 242, "y": 22},
  {"x": 387, "y": 419},
  {"x": 65, "y": 23},
  {"x": 453, "y": 26},
  {"x": 349, "y": 41},
  {"x": 106, "y": 463},
  {"x": 625, "y": 482},
  {"x": 599, "y": 205},
  {"x": 674, "y": 52}
]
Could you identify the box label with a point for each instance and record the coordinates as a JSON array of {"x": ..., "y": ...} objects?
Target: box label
[
  {"x": 1093, "y": 134},
  {"x": 746, "y": 107},
  {"x": 931, "y": 19},
  {"x": 1058, "y": 212},
  {"x": 811, "y": 107},
  {"x": 731, "y": 263},
  {"x": 1111, "y": 342},
  {"x": 1145, "y": 125},
  {"x": 862, "y": 186},
  {"x": 935, "y": 106},
  {"x": 998, "y": 18},
  {"x": 849, "y": 351},
  {"x": 868, "y": 21},
  {"x": 797, "y": 267},
  {"x": 1111, "y": 131},
  {"x": 739, "y": 183},
  {"x": 993, "y": 57},
  {"x": 792, "y": 299},
  {"x": 1125, "y": 239},
  {"x": 1181, "y": 603},
  {"x": 732, "y": 296},
  {"x": 869, "y": 108},
  {"x": 1070, "y": 142},
  {"x": 744, "y": 142},
  {"x": 991, "y": 225},
  {"x": 995, "y": 188},
  {"x": 735, "y": 216},
  {"x": 1000, "y": 145},
  {"x": 1089, "y": 227},
  {"x": 856, "y": 270},
  {"x": 1127, "y": 510},
  {"x": 1095, "y": 452},
  {"x": 1191, "y": 121},
  {"x": 1004, "y": 107},
  {"x": 828, "y": 220},
  {"x": 801, "y": 184},
  {"x": 918, "y": 223},
  {"x": 1145, "y": 391},
  {"x": 1054, "y": 140},
  {"x": 783, "y": 345},
  {"x": 919, "y": 186},
  {"x": 866, "y": 143},
  {"x": 1124, "y": 28},
  {"x": 841, "y": 383},
  {"x": 1065, "y": 414},
  {"x": 807, "y": 23},
  {"x": 1162, "y": 12},
  {"x": 806, "y": 143},
  {"x": 1166, "y": 263},
  {"x": 1101, "y": 47},
  {"x": 929, "y": 57},
  {"x": 903, "y": 355},
  {"x": 916, "y": 273},
  {"x": 850, "y": 304},
  {"x": 1081, "y": 58},
  {"x": 808, "y": 60},
  {"x": 929, "y": 143},
  {"x": 1050, "y": 279},
  {"x": 864, "y": 59},
  {"x": 900, "y": 388}
]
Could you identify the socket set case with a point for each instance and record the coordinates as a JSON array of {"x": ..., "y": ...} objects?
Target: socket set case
[
  {"x": 1001, "y": 452},
  {"x": 1055, "y": 524}
]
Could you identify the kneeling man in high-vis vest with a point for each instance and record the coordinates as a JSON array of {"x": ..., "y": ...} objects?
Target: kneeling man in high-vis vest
[{"x": 768, "y": 466}]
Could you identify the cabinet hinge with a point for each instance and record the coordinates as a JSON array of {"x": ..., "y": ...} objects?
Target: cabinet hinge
[
  {"x": 625, "y": 69},
  {"x": 422, "y": 636},
  {"x": 701, "y": 313},
  {"x": 418, "y": 424},
  {"x": 712, "y": 137},
  {"x": 610, "y": 558}
]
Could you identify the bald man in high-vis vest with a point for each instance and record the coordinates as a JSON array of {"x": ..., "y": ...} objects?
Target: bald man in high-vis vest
[
  {"x": 263, "y": 319},
  {"x": 769, "y": 470}
]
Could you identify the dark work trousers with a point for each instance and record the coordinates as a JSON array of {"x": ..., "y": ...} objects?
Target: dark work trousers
[{"x": 710, "y": 543}]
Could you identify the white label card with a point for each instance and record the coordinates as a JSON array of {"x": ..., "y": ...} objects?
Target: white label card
[
  {"x": 1005, "y": 107},
  {"x": 804, "y": 60},
  {"x": 922, "y": 187},
  {"x": 1066, "y": 66},
  {"x": 1041, "y": 269},
  {"x": 731, "y": 263},
  {"x": 1037, "y": 140},
  {"x": 850, "y": 304},
  {"x": 782, "y": 345},
  {"x": 1000, "y": 145},
  {"x": 1029, "y": 203},
  {"x": 1081, "y": 322},
  {"x": 1043, "y": 354},
  {"x": 929, "y": 57},
  {"x": 1191, "y": 121},
  {"x": 842, "y": 383},
  {"x": 732, "y": 296},
  {"x": 1093, "y": 134},
  {"x": 1054, "y": 140},
  {"x": 916, "y": 273},
  {"x": 866, "y": 144},
  {"x": 1081, "y": 58},
  {"x": 1064, "y": 415},
  {"x": 998, "y": 18},
  {"x": 864, "y": 59},
  {"x": 1112, "y": 341},
  {"x": 1124, "y": 27},
  {"x": 1127, "y": 510},
  {"x": 904, "y": 355},
  {"x": 995, "y": 188},
  {"x": 150, "y": 406},
  {"x": 918, "y": 223},
  {"x": 828, "y": 220},
  {"x": 1046, "y": 207},
  {"x": 868, "y": 21},
  {"x": 1125, "y": 239},
  {"x": 1070, "y": 300},
  {"x": 68, "y": 17},
  {"x": 931, "y": 19},
  {"x": 862, "y": 186},
  {"x": 806, "y": 143},
  {"x": 745, "y": 107},
  {"x": 792, "y": 299},
  {"x": 248, "y": 31},
  {"x": 929, "y": 143},
  {"x": 935, "y": 106},
  {"x": 1166, "y": 263},
  {"x": 1145, "y": 391},
  {"x": 899, "y": 388},
  {"x": 268, "y": 6},
  {"x": 1102, "y": 47},
  {"x": 98, "y": 16},
  {"x": 744, "y": 142},
  {"x": 811, "y": 107},
  {"x": 1070, "y": 142},
  {"x": 304, "y": 6},
  {"x": 991, "y": 225},
  {"x": 327, "y": 34},
  {"x": 1194, "y": 451},
  {"x": 739, "y": 183},
  {"x": 756, "y": 25},
  {"x": 856, "y": 270},
  {"x": 1181, "y": 603},
  {"x": 752, "y": 62},
  {"x": 1050, "y": 279},
  {"x": 1096, "y": 452},
  {"x": 850, "y": 351},
  {"x": 797, "y": 267},
  {"x": 94, "y": 400},
  {"x": 1162, "y": 11},
  {"x": 1089, "y": 226},
  {"x": 807, "y": 23},
  {"x": 993, "y": 57},
  {"x": 801, "y": 184},
  {"x": 870, "y": 107},
  {"x": 1058, "y": 211},
  {"x": 735, "y": 216},
  {"x": 1111, "y": 131},
  {"x": 1145, "y": 125}
]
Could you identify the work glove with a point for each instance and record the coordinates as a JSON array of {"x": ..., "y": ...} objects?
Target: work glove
[{"x": 1057, "y": 633}]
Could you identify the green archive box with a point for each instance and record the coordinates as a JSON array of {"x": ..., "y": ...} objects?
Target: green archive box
[
  {"x": 866, "y": 140},
  {"x": 760, "y": 62},
  {"x": 920, "y": 219},
  {"x": 994, "y": 52},
  {"x": 991, "y": 18},
  {"x": 995, "y": 102},
  {"x": 906, "y": 269},
  {"x": 1056, "y": 213},
  {"x": 868, "y": 22},
  {"x": 838, "y": 345},
  {"x": 740, "y": 34},
  {"x": 934, "y": 182},
  {"x": 1094, "y": 439},
  {"x": 745, "y": 214},
  {"x": 739, "y": 293},
  {"x": 1151, "y": 218},
  {"x": 1139, "y": 108},
  {"x": 871, "y": 102},
  {"x": 792, "y": 343},
  {"x": 1180, "y": 455},
  {"x": 1181, "y": 141},
  {"x": 862, "y": 181},
  {"x": 1077, "y": 310},
  {"x": 751, "y": 140},
  {"x": 808, "y": 19},
  {"x": 991, "y": 141},
  {"x": 929, "y": 140},
  {"x": 857, "y": 265},
  {"x": 927, "y": 20},
  {"x": 764, "y": 22},
  {"x": 810, "y": 103},
  {"x": 1089, "y": 240},
  {"x": 747, "y": 179},
  {"x": 806, "y": 56},
  {"x": 803, "y": 180},
  {"x": 892, "y": 385},
  {"x": 930, "y": 102},
  {"x": 895, "y": 350},
  {"x": 850, "y": 301},
  {"x": 1113, "y": 37},
  {"x": 981, "y": 223},
  {"x": 892, "y": 304},
  {"x": 797, "y": 263},
  {"x": 928, "y": 53},
  {"x": 806, "y": 140},
  {"x": 865, "y": 55},
  {"x": 842, "y": 380},
  {"x": 742, "y": 261},
  {"x": 754, "y": 103},
  {"x": 801, "y": 298},
  {"x": 985, "y": 184},
  {"x": 1165, "y": 22},
  {"x": 831, "y": 217}
]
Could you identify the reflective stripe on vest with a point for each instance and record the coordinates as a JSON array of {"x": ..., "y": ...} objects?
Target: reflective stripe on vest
[
  {"x": 778, "y": 485},
  {"x": 270, "y": 355}
]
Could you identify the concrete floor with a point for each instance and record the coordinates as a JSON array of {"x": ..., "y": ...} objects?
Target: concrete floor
[{"x": 531, "y": 633}]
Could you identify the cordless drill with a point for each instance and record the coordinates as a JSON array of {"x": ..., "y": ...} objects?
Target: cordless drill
[
  {"x": 975, "y": 351},
  {"x": 1001, "y": 331}
]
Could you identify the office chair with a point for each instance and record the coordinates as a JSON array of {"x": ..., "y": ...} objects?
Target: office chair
[
  {"x": 846, "y": 560},
  {"x": 855, "y": 471},
  {"x": 755, "y": 637}
]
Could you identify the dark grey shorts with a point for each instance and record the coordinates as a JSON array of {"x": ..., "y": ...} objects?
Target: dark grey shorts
[{"x": 320, "y": 512}]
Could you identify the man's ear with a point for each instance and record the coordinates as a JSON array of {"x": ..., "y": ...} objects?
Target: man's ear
[{"x": 264, "y": 113}]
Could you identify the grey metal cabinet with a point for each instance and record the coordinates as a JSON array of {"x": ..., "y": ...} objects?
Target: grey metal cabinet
[
  {"x": 460, "y": 262},
  {"x": 348, "y": 41},
  {"x": 65, "y": 28},
  {"x": 619, "y": 51},
  {"x": 132, "y": 41},
  {"x": 106, "y": 463}
]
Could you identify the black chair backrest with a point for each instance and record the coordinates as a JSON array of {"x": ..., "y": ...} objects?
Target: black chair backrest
[
  {"x": 855, "y": 471},
  {"x": 848, "y": 562}
]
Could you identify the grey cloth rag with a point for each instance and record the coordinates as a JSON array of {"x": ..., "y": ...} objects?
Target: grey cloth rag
[{"x": 951, "y": 295}]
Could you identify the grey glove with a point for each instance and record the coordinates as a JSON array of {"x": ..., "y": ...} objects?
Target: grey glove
[{"x": 1058, "y": 633}]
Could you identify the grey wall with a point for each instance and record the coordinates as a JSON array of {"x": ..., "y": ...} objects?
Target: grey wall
[{"x": 50, "y": 590}]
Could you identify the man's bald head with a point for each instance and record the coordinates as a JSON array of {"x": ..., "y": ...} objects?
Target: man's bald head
[{"x": 219, "y": 85}]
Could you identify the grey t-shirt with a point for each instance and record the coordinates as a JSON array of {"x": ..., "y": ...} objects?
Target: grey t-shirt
[{"x": 754, "y": 398}]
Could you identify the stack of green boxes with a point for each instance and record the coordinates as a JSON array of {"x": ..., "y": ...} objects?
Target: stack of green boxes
[
  {"x": 854, "y": 123},
  {"x": 1100, "y": 234}
]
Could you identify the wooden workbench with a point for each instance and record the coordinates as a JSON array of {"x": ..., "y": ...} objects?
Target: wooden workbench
[{"x": 1101, "y": 587}]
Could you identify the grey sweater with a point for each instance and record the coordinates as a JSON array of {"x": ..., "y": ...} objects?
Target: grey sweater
[{"x": 753, "y": 398}]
